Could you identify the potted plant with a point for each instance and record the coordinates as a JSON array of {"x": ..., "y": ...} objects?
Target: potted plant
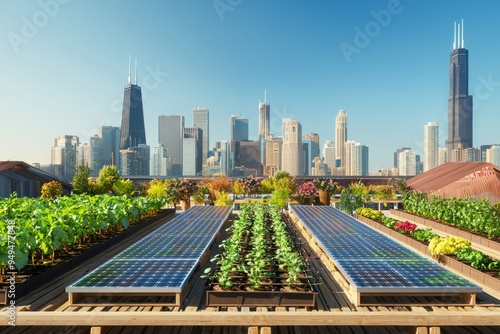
[
  {"x": 305, "y": 193},
  {"x": 326, "y": 188}
]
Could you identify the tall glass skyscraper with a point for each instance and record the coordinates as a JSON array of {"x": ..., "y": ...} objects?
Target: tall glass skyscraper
[
  {"x": 238, "y": 127},
  {"x": 171, "y": 136},
  {"x": 132, "y": 132},
  {"x": 459, "y": 101}
]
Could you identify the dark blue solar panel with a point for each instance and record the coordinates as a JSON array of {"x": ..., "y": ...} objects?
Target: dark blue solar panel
[
  {"x": 165, "y": 258},
  {"x": 372, "y": 261}
]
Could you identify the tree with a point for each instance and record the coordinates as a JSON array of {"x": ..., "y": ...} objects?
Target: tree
[
  {"x": 81, "y": 182},
  {"x": 108, "y": 175}
]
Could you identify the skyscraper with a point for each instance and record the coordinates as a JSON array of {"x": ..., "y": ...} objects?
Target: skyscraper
[
  {"x": 63, "y": 156},
  {"x": 431, "y": 145},
  {"x": 329, "y": 154},
  {"x": 292, "y": 153},
  {"x": 238, "y": 127},
  {"x": 407, "y": 161},
  {"x": 201, "y": 120},
  {"x": 171, "y": 136},
  {"x": 264, "y": 119},
  {"x": 196, "y": 152},
  {"x": 132, "y": 133},
  {"x": 110, "y": 145},
  {"x": 459, "y": 101},
  {"x": 160, "y": 163},
  {"x": 340, "y": 138}
]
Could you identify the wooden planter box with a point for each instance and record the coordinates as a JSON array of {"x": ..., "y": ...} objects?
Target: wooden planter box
[
  {"x": 261, "y": 298},
  {"x": 462, "y": 268},
  {"x": 435, "y": 225}
]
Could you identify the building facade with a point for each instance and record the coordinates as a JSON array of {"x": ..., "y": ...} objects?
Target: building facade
[
  {"x": 292, "y": 153},
  {"x": 264, "y": 120},
  {"x": 431, "y": 145},
  {"x": 132, "y": 131},
  {"x": 238, "y": 127},
  {"x": 171, "y": 135},
  {"x": 160, "y": 163},
  {"x": 201, "y": 120},
  {"x": 407, "y": 163},
  {"x": 64, "y": 156}
]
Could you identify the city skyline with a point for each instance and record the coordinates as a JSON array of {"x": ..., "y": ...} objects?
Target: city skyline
[{"x": 310, "y": 68}]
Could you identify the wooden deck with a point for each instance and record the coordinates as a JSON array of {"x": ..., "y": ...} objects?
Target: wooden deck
[{"x": 334, "y": 313}]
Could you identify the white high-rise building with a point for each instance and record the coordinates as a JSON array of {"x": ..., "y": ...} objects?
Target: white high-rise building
[
  {"x": 329, "y": 154},
  {"x": 341, "y": 137},
  {"x": 292, "y": 155},
  {"x": 493, "y": 155},
  {"x": 443, "y": 155},
  {"x": 431, "y": 145},
  {"x": 160, "y": 163},
  {"x": 356, "y": 159},
  {"x": 407, "y": 162}
]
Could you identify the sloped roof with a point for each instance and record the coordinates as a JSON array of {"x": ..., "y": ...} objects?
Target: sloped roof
[
  {"x": 461, "y": 180},
  {"x": 21, "y": 169}
]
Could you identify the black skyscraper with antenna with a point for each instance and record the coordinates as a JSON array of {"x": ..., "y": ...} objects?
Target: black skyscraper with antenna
[
  {"x": 132, "y": 132},
  {"x": 459, "y": 101}
]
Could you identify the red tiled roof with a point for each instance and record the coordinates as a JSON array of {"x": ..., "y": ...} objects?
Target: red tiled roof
[{"x": 460, "y": 179}]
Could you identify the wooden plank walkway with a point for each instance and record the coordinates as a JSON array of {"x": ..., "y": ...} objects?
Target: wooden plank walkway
[{"x": 333, "y": 313}]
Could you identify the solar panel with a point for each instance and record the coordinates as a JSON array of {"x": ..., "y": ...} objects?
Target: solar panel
[
  {"x": 161, "y": 261},
  {"x": 373, "y": 262}
]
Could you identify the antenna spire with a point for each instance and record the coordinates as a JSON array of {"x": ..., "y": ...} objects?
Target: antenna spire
[
  {"x": 462, "y": 44},
  {"x": 129, "y": 69},
  {"x": 135, "y": 70},
  {"x": 265, "y": 96},
  {"x": 454, "y": 35}
]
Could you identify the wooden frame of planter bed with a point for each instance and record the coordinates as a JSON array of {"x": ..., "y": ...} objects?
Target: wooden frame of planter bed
[
  {"x": 261, "y": 298},
  {"x": 359, "y": 298}
]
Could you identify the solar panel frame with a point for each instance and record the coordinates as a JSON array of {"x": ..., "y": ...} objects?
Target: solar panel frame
[
  {"x": 198, "y": 225},
  {"x": 322, "y": 221}
]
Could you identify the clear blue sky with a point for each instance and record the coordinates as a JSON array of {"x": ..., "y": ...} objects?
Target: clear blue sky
[{"x": 64, "y": 65}]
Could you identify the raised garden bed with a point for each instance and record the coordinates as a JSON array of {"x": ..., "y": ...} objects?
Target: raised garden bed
[
  {"x": 261, "y": 264},
  {"x": 483, "y": 278},
  {"x": 449, "y": 229},
  {"x": 32, "y": 277}
]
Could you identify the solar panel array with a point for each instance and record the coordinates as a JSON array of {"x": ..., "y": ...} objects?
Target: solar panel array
[
  {"x": 373, "y": 262},
  {"x": 161, "y": 261}
]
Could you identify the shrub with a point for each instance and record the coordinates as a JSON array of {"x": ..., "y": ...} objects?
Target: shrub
[
  {"x": 52, "y": 189},
  {"x": 447, "y": 245},
  {"x": 405, "y": 227}
]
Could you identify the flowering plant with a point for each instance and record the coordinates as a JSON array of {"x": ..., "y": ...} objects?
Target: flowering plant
[
  {"x": 180, "y": 190},
  {"x": 405, "y": 227},
  {"x": 327, "y": 185},
  {"x": 250, "y": 185},
  {"x": 305, "y": 192}
]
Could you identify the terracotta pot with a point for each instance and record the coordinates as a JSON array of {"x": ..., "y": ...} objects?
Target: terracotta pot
[
  {"x": 324, "y": 197},
  {"x": 185, "y": 204}
]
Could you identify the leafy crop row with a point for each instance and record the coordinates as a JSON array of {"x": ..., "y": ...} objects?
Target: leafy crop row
[
  {"x": 42, "y": 226},
  {"x": 472, "y": 214}
]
